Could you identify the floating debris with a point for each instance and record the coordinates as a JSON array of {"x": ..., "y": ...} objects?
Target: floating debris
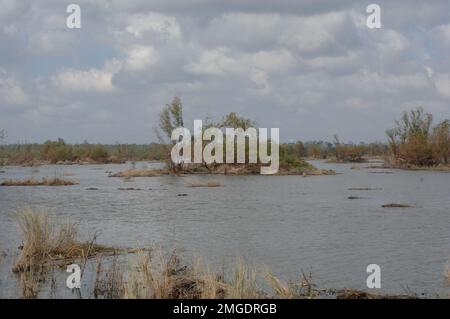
[{"x": 394, "y": 205}]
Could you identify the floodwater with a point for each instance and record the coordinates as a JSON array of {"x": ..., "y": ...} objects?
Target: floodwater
[{"x": 287, "y": 223}]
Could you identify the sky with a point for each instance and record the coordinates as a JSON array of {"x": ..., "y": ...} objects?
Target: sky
[{"x": 312, "y": 68}]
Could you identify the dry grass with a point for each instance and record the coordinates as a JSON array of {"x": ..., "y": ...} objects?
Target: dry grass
[
  {"x": 204, "y": 184},
  {"x": 243, "y": 284},
  {"x": 109, "y": 282},
  {"x": 359, "y": 294},
  {"x": 45, "y": 242},
  {"x": 281, "y": 289},
  {"x": 30, "y": 283},
  {"x": 211, "y": 284},
  {"x": 38, "y": 182},
  {"x": 155, "y": 275},
  {"x": 140, "y": 172}
]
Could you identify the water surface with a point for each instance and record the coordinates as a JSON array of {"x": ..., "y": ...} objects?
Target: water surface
[{"x": 288, "y": 223}]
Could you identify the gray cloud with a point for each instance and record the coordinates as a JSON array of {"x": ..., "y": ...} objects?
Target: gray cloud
[{"x": 311, "y": 68}]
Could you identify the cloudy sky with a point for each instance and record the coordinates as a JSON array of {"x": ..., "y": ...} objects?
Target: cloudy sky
[{"x": 310, "y": 67}]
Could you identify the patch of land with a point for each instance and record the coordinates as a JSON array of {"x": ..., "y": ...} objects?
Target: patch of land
[
  {"x": 222, "y": 169},
  {"x": 39, "y": 182},
  {"x": 204, "y": 184}
]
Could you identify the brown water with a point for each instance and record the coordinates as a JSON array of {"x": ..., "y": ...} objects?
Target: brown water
[{"x": 288, "y": 223}]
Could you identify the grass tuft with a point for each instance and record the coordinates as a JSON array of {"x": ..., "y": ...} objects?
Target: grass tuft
[{"x": 45, "y": 242}]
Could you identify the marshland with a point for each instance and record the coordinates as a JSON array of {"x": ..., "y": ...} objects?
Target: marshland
[
  {"x": 141, "y": 230},
  {"x": 289, "y": 224}
]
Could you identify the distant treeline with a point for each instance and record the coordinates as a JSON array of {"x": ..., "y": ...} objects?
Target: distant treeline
[
  {"x": 338, "y": 151},
  {"x": 59, "y": 151},
  {"x": 413, "y": 142}
]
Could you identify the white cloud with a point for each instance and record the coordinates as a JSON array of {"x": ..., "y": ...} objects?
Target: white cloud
[
  {"x": 261, "y": 81},
  {"x": 313, "y": 33},
  {"x": 271, "y": 61},
  {"x": 442, "y": 82},
  {"x": 346, "y": 62},
  {"x": 214, "y": 62},
  {"x": 91, "y": 80},
  {"x": 11, "y": 91},
  {"x": 444, "y": 32},
  {"x": 223, "y": 61},
  {"x": 392, "y": 42},
  {"x": 304, "y": 34}
]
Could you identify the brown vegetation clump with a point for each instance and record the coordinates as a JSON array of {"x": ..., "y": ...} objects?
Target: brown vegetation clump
[
  {"x": 358, "y": 294},
  {"x": 204, "y": 184},
  {"x": 44, "y": 242},
  {"x": 155, "y": 275},
  {"x": 39, "y": 182},
  {"x": 414, "y": 142}
]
